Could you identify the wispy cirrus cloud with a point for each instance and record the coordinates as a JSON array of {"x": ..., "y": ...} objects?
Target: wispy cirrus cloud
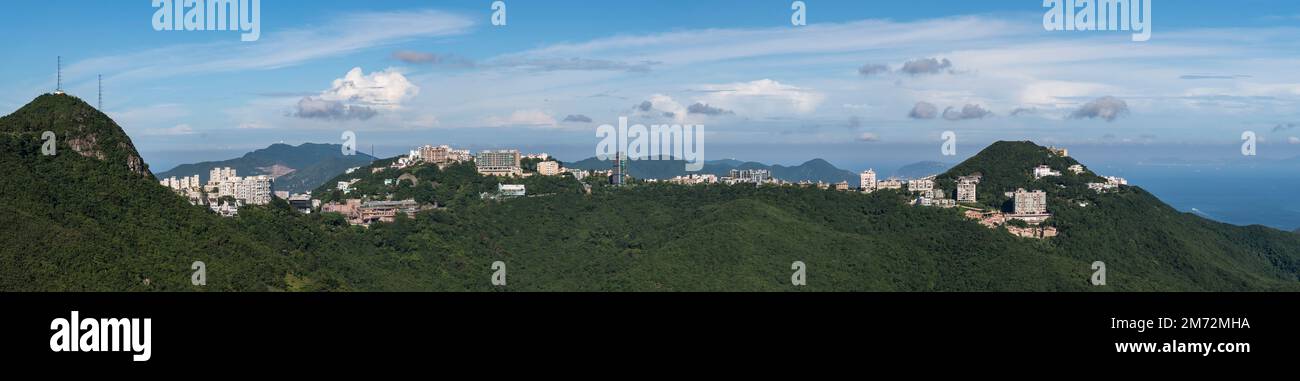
[{"x": 277, "y": 48}]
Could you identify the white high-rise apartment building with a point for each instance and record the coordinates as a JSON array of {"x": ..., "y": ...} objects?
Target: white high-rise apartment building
[
  {"x": 867, "y": 180},
  {"x": 224, "y": 182},
  {"x": 966, "y": 189},
  {"x": 1030, "y": 202},
  {"x": 217, "y": 175}
]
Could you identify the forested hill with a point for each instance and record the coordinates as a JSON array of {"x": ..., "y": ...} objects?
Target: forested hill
[
  {"x": 76, "y": 126},
  {"x": 71, "y": 222}
]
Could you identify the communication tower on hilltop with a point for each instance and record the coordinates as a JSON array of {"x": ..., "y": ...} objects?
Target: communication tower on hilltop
[
  {"x": 58, "y": 87},
  {"x": 101, "y": 93}
]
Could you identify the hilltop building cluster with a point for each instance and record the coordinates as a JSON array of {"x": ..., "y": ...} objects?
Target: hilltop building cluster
[
  {"x": 1029, "y": 207},
  {"x": 223, "y": 183},
  {"x": 505, "y": 163}
]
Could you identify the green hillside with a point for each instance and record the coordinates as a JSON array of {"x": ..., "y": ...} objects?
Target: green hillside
[
  {"x": 72, "y": 222},
  {"x": 77, "y": 126}
]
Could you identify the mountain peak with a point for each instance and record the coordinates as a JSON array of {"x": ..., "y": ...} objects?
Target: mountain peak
[{"x": 78, "y": 126}]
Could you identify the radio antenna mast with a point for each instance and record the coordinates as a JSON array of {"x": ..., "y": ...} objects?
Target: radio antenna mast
[
  {"x": 101, "y": 92},
  {"x": 58, "y": 87}
]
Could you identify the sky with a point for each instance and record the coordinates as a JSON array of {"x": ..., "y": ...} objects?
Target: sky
[{"x": 862, "y": 81}]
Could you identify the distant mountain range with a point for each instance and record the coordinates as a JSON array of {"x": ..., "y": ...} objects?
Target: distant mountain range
[
  {"x": 295, "y": 169},
  {"x": 921, "y": 169},
  {"x": 812, "y": 170}
]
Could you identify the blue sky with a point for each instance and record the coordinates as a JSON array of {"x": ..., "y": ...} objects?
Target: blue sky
[{"x": 402, "y": 73}]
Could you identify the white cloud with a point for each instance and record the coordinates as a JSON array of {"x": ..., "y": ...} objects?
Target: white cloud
[
  {"x": 762, "y": 97},
  {"x": 1293, "y": 140},
  {"x": 383, "y": 89},
  {"x": 1056, "y": 93},
  {"x": 358, "y": 96},
  {"x": 277, "y": 48}
]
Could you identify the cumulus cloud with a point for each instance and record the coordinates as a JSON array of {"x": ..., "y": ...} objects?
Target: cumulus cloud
[
  {"x": 535, "y": 118},
  {"x": 923, "y": 110},
  {"x": 926, "y": 66},
  {"x": 316, "y": 108},
  {"x": 358, "y": 96},
  {"x": 704, "y": 109},
  {"x": 384, "y": 89},
  {"x": 577, "y": 118},
  {"x": 1293, "y": 140},
  {"x": 872, "y": 69},
  {"x": 1284, "y": 126},
  {"x": 1107, "y": 107},
  {"x": 660, "y": 105},
  {"x": 763, "y": 96},
  {"x": 970, "y": 111},
  {"x": 868, "y": 137}
]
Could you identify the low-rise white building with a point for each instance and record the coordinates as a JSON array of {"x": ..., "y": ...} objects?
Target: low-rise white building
[
  {"x": 548, "y": 168},
  {"x": 511, "y": 190},
  {"x": 889, "y": 184},
  {"x": 1044, "y": 171},
  {"x": 921, "y": 184}
]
